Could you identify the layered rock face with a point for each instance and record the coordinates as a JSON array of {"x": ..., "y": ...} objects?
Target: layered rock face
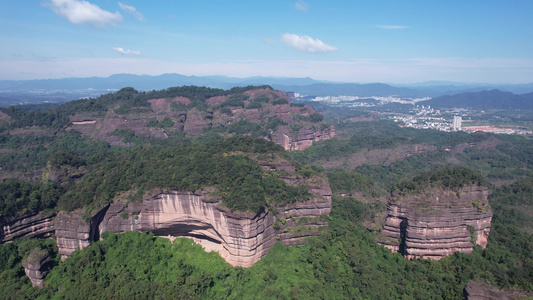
[
  {"x": 36, "y": 225},
  {"x": 36, "y": 266},
  {"x": 476, "y": 290},
  {"x": 303, "y": 138},
  {"x": 74, "y": 232},
  {"x": 240, "y": 238},
  {"x": 438, "y": 223}
]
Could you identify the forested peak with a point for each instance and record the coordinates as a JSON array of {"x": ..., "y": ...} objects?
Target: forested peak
[
  {"x": 228, "y": 169},
  {"x": 448, "y": 178}
]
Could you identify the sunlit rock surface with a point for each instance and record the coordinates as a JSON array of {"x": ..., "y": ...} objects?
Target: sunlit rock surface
[{"x": 438, "y": 223}]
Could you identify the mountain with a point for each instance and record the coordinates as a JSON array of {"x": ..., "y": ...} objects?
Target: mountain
[
  {"x": 14, "y": 92},
  {"x": 484, "y": 100}
]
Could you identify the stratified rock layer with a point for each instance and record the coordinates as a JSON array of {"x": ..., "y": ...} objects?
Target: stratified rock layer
[
  {"x": 476, "y": 290},
  {"x": 438, "y": 223},
  {"x": 240, "y": 238},
  {"x": 74, "y": 230},
  {"x": 36, "y": 266},
  {"x": 28, "y": 225}
]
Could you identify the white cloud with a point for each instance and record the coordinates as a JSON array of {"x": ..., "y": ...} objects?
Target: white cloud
[
  {"x": 78, "y": 12},
  {"x": 301, "y": 5},
  {"x": 133, "y": 11},
  {"x": 306, "y": 43},
  {"x": 391, "y": 26},
  {"x": 126, "y": 51}
]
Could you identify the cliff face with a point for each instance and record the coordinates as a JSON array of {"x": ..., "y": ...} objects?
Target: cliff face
[
  {"x": 36, "y": 266},
  {"x": 240, "y": 238},
  {"x": 36, "y": 225},
  {"x": 74, "y": 232},
  {"x": 438, "y": 223},
  {"x": 477, "y": 290},
  {"x": 289, "y": 126}
]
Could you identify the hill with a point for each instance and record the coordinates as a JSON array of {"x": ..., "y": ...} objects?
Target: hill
[
  {"x": 484, "y": 100},
  {"x": 127, "y": 116},
  {"x": 14, "y": 92}
]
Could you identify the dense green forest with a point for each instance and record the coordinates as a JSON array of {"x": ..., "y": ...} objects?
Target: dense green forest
[
  {"x": 225, "y": 165},
  {"x": 57, "y": 169}
]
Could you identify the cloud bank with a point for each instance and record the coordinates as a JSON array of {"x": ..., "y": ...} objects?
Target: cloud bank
[
  {"x": 126, "y": 51},
  {"x": 132, "y": 11},
  {"x": 79, "y": 12},
  {"x": 306, "y": 43}
]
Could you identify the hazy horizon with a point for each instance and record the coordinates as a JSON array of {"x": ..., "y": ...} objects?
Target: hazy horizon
[{"x": 343, "y": 41}]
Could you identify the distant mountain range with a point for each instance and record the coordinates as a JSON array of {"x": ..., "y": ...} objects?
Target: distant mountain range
[
  {"x": 14, "y": 92},
  {"x": 484, "y": 100}
]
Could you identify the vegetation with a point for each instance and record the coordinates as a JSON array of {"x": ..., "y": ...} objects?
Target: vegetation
[
  {"x": 451, "y": 178},
  {"x": 239, "y": 180},
  {"x": 342, "y": 262},
  {"x": 21, "y": 196}
]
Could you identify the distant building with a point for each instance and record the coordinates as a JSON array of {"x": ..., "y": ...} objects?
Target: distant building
[{"x": 456, "y": 124}]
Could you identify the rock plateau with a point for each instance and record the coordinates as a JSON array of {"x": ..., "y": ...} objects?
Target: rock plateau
[{"x": 438, "y": 223}]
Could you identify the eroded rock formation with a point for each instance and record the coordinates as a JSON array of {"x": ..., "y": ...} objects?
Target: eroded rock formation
[
  {"x": 290, "y": 126},
  {"x": 476, "y": 290},
  {"x": 75, "y": 230},
  {"x": 36, "y": 266},
  {"x": 33, "y": 225},
  {"x": 240, "y": 238},
  {"x": 438, "y": 223}
]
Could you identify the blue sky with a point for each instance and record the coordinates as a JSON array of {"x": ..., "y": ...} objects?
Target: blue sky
[{"x": 350, "y": 41}]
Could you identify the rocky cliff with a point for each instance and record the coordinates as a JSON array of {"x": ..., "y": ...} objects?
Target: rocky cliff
[
  {"x": 261, "y": 112},
  {"x": 75, "y": 230},
  {"x": 27, "y": 225},
  {"x": 36, "y": 266},
  {"x": 438, "y": 222},
  {"x": 240, "y": 238}
]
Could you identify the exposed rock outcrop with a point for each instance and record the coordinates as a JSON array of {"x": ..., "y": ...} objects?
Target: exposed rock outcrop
[
  {"x": 36, "y": 266},
  {"x": 476, "y": 290},
  {"x": 438, "y": 222},
  {"x": 74, "y": 230},
  {"x": 290, "y": 126},
  {"x": 303, "y": 138},
  {"x": 28, "y": 225},
  {"x": 240, "y": 238}
]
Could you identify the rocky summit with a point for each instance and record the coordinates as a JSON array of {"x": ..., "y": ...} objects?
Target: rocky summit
[{"x": 192, "y": 111}]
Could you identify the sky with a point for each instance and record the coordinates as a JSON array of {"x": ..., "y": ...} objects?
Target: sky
[{"x": 364, "y": 41}]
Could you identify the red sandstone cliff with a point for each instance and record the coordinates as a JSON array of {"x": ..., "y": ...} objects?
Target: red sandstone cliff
[{"x": 438, "y": 223}]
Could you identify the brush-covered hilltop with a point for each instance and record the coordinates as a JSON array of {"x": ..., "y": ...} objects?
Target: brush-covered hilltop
[
  {"x": 123, "y": 117},
  {"x": 237, "y": 196}
]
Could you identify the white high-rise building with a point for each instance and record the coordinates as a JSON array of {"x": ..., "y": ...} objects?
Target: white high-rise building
[{"x": 456, "y": 124}]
